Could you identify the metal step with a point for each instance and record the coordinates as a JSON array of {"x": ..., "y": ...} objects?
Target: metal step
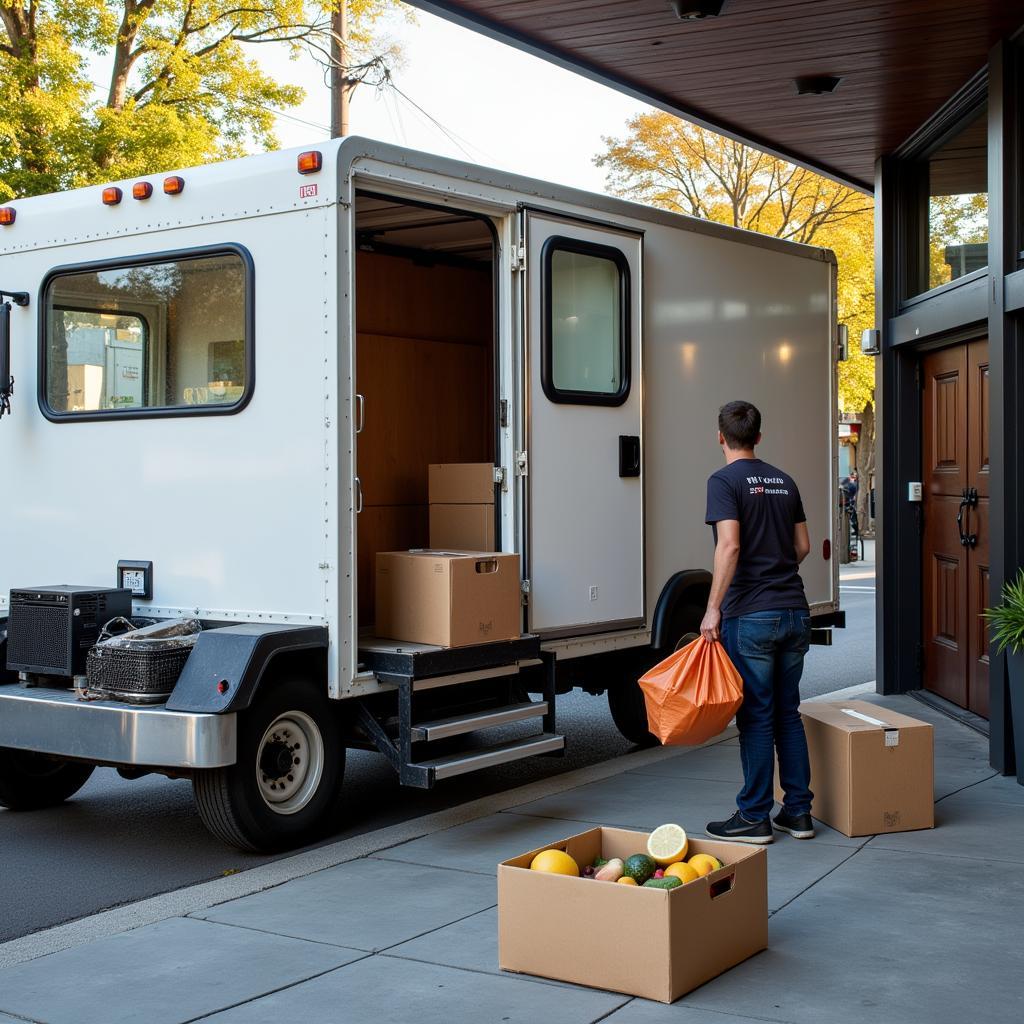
[
  {"x": 458, "y": 724},
  {"x": 486, "y": 757}
]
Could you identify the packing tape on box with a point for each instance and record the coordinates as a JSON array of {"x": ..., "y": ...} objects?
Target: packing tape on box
[{"x": 892, "y": 736}]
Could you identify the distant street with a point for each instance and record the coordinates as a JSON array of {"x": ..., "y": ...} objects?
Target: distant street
[{"x": 118, "y": 841}]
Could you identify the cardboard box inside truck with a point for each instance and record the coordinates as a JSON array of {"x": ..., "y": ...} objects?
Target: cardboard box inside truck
[
  {"x": 655, "y": 943},
  {"x": 448, "y": 598},
  {"x": 460, "y": 483},
  {"x": 462, "y": 527},
  {"x": 872, "y": 769}
]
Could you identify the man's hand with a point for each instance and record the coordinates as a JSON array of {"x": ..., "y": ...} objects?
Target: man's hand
[{"x": 709, "y": 627}]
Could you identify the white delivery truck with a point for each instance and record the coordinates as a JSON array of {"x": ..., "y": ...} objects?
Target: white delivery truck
[{"x": 228, "y": 384}]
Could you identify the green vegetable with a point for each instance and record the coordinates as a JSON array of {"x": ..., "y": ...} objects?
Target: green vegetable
[
  {"x": 599, "y": 863},
  {"x": 639, "y": 866},
  {"x": 668, "y": 882}
]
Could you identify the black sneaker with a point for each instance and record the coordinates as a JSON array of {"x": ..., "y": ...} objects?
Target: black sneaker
[
  {"x": 738, "y": 830},
  {"x": 799, "y": 826}
]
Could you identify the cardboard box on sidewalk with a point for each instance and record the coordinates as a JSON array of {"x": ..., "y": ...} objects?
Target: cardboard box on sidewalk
[
  {"x": 872, "y": 769},
  {"x": 460, "y": 483},
  {"x": 446, "y": 598},
  {"x": 654, "y": 943},
  {"x": 462, "y": 527}
]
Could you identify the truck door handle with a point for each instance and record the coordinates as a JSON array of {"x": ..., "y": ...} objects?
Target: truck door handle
[
  {"x": 360, "y": 413},
  {"x": 629, "y": 455},
  {"x": 359, "y": 495}
]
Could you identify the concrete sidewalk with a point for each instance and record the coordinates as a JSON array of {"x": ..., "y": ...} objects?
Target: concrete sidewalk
[{"x": 914, "y": 927}]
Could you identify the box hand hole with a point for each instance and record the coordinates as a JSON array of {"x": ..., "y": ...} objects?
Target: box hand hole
[{"x": 722, "y": 886}]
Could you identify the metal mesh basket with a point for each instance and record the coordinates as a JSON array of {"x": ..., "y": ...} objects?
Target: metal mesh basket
[{"x": 143, "y": 664}]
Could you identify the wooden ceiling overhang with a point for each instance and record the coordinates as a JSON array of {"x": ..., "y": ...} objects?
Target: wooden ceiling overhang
[{"x": 899, "y": 61}]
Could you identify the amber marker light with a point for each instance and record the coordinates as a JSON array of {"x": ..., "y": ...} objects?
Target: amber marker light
[
  {"x": 7, "y": 215},
  {"x": 142, "y": 190},
  {"x": 111, "y": 195},
  {"x": 174, "y": 185},
  {"x": 310, "y": 162}
]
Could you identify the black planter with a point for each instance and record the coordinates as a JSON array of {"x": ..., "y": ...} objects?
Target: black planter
[{"x": 1015, "y": 671}]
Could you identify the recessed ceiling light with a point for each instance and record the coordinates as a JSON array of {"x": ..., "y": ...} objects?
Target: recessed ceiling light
[
  {"x": 696, "y": 10},
  {"x": 816, "y": 85}
]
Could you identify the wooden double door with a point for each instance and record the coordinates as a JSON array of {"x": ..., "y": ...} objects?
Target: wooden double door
[{"x": 956, "y": 536}]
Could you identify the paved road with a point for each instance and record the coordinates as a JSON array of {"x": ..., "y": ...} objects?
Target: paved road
[{"x": 119, "y": 841}]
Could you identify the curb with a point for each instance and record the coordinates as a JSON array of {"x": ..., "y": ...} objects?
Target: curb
[{"x": 204, "y": 895}]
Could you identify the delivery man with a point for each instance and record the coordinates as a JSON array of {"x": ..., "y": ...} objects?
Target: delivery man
[{"x": 758, "y": 610}]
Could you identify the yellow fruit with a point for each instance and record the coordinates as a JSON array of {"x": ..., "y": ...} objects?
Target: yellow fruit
[
  {"x": 667, "y": 844},
  {"x": 555, "y": 862},
  {"x": 626, "y": 880},
  {"x": 684, "y": 872},
  {"x": 704, "y": 863}
]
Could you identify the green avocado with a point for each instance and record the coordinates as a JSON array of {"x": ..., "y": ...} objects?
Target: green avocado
[
  {"x": 639, "y": 866},
  {"x": 668, "y": 882}
]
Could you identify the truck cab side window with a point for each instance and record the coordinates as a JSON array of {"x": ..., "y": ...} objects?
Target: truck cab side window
[
  {"x": 148, "y": 336},
  {"x": 586, "y": 323}
]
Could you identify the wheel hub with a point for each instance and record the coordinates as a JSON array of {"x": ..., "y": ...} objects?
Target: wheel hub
[
  {"x": 276, "y": 760},
  {"x": 290, "y": 762}
]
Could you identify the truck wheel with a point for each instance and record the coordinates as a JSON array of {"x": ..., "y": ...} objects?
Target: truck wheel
[
  {"x": 285, "y": 786},
  {"x": 30, "y": 781}
]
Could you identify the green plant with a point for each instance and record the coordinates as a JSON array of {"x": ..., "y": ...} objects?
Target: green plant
[{"x": 1007, "y": 617}]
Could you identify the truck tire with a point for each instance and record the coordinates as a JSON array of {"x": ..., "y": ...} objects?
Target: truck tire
[
  {"x": 629, "y": 713},
  {"x": 626, "y": 699},
  {"x": 30, "y": 781},
  {"x": 285, "y": 786}
]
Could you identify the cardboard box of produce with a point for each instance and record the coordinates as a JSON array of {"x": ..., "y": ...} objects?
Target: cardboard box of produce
[
  {"x": 460, "y": 483},
  {"x": 872, "y": 769},
  {"x": 462, "y": 527},
  {"x": 448, "y": 598},
  {"x": 654, "y": 943}
]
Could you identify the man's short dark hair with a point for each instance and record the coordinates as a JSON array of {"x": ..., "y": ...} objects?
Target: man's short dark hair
[{"x": 740, "y": 424}]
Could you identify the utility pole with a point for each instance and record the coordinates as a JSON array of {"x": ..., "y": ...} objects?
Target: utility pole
[{"x": 340, "y": 92}]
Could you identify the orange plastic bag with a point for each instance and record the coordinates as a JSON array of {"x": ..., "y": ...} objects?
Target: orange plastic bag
[{"x": 692, "y": 694}]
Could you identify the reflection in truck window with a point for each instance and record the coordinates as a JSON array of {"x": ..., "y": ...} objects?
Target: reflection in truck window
[{"x": 155, "y": 335}]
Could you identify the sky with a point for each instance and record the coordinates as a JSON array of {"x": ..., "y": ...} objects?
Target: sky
[{"x": 498, "y": 106}]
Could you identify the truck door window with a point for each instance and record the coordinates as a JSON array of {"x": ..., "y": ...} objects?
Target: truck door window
[
  {"x": 155, "y": 335},
  {"x": 585, "y": 354}
]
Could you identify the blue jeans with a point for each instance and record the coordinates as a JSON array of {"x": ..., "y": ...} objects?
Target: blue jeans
[{"x": 768, "y": 651}]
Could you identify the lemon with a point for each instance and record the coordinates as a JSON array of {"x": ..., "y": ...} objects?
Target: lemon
[
  {"x": 683, "y": 871},
  {"x": 667, "y": 844},
  {"x": 704, "y": 863},
  {"x": 626, "y": 880},
  {"x": 555, "y": 862}
]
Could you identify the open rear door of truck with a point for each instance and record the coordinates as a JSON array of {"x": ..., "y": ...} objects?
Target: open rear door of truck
[{"x": 582, "y": 463}]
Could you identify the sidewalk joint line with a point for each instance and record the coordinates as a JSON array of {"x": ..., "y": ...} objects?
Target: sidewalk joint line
[
  {"x": 430, "y": 931},
  {"x": 381, "y": 855},
  {"x": 279, "y": 935},
  {"x": 806, "y": 888},
  {"x": 273, "y": 991}
]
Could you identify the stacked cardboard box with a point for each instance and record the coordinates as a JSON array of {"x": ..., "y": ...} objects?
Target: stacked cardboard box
[
  {"x": 448, "y": 599},
  {"x": 461, "y": 499}
]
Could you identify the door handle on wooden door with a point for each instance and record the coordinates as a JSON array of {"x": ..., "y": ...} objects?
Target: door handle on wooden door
[{"x": 968, "y": 500}]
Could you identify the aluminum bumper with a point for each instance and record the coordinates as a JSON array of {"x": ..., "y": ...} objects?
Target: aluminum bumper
[{"x": 55, "y": 722}]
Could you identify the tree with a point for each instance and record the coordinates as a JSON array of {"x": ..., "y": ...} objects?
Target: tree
[
  {"x": 92, "y": 90},
  {"x": 678, "y": 166}
]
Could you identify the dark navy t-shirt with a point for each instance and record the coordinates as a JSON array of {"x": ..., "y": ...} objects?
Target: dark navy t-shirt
[{"x": 767, "y": 505}]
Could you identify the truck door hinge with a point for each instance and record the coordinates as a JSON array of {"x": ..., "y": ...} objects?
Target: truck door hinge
[
  {"x": 503, "y": 413},
  {"x": 522, "y": 464},
  {"x": 525, "y": 588},
  {"x": 500, "y": 477},
  {"x": 519, "y": 257}
]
